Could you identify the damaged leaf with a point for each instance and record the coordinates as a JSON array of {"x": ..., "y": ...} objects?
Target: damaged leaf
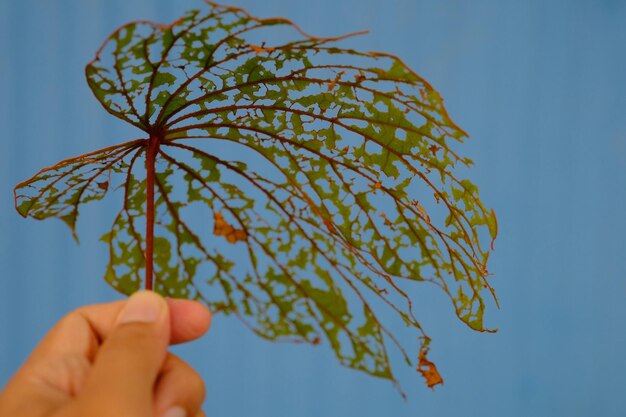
[{"x": 285, "y": 147}]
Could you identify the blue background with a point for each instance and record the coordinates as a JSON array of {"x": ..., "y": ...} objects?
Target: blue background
[{"x": 540, "y": 87}]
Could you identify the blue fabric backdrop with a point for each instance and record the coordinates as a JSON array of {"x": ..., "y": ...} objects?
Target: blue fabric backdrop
[{"x": 540, "y": 87}]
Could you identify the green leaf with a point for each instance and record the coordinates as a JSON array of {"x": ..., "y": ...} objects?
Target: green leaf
[
  {"x": 338, "y": 189},
  {"x": 58, "y": 191}
]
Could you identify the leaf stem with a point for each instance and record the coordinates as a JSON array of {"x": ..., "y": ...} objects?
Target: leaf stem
[{"x": 151, "y": 152}]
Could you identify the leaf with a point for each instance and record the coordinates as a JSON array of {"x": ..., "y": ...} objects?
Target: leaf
[
  {"x": 59, "y": 190},
  {"x": 260, "y": 49},
  {"x": 223, "y": 228},
  {"x": 334, "y": 82},
  {"x": 428, "y": 369},
  {"x": 310, "y": 160}
]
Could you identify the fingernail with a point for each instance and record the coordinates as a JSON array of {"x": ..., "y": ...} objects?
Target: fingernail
[
  {"x": 175, "y": 412},
  {"x": 142, "y": 307}
]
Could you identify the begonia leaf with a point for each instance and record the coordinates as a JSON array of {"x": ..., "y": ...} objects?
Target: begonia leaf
[{"x": 303, "y": 186}]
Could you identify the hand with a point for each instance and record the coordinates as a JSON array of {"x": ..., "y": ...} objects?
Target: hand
[{"x": 111, "y": 360}]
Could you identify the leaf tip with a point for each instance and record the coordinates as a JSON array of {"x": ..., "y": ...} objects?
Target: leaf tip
[{"x": 428, "y": 369}]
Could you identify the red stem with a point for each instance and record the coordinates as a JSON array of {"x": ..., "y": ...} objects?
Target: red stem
[{"x": 151, "y": 151}]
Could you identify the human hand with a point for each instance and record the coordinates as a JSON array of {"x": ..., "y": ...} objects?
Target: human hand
[{"x": 111, "y": 360}]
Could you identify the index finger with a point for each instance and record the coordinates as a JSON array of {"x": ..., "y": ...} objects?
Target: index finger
[
  {"x": 189, "y": 320},
  {"x": 83, "y": 330}
]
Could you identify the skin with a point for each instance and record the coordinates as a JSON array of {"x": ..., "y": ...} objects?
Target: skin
[{"x": 111, "y": 360}]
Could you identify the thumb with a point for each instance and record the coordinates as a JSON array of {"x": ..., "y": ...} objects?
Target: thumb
[{"x": 127, "y": 365}]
